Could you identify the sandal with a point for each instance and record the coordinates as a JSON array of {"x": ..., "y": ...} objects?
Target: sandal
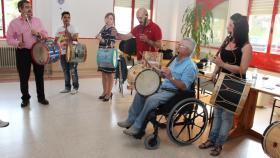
[
  {"x": 216, "y": 151},
  {"x": 206, "y": 145}
]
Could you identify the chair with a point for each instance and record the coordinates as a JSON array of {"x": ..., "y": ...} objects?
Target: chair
[{"x": 273, "y": 107}]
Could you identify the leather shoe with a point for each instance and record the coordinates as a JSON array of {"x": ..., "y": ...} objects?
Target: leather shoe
[
  {"x": 124, "y": 124},
  {"x": 44, "y": 101},
  {"x": 24, "y": 103}
]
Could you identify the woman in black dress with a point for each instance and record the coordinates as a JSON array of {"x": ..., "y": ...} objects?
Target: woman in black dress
[
  {"x": 107, "y": 40},
  {"x": 234, "y": 58}
]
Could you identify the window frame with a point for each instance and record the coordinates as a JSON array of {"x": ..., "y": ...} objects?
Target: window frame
[
  {"x": 210, "y": 5},
  {"x": 266, "y": 60},
  {"x": 133, "y": 11},
  {"x": 3, "y": 18}
]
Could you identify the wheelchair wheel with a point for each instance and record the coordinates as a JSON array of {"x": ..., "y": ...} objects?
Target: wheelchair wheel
[
  {"x": 152, "y": 142},
  {"x": 187, "y": 121}
]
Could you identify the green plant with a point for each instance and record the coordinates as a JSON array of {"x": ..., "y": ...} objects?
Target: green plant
[{"x": 197, "y": 24}]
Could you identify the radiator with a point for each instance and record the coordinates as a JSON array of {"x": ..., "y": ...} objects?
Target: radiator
[{"x": 7, "y": 57}]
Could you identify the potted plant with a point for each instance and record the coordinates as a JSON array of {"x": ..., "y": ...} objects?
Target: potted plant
[{"x": 197, "y": 24}]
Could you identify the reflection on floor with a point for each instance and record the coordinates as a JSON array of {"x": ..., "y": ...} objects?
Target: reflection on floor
[{"x": 81, "y": 126}]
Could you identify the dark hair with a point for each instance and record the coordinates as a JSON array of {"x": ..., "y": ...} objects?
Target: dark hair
[
  {"x": 241, "y": 29},
  {"x": 110, "y": 13},
  {"x": 65, "y": 13},
  {"x": 21, "y": 3}
]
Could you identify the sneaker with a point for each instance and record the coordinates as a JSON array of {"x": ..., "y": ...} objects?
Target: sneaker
[
  {"x": 74, "y": 91},
  {"x": 131, "y": 131},
  {"x": 124, "y": 124},
  {"x": 65, "y": 91},
  {"x": 3, "y": 124}
]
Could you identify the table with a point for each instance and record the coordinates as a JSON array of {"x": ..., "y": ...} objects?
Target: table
[{"x": 266, "y": 84}]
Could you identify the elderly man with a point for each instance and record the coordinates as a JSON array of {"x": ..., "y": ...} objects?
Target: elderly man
[
  {"x": 179, "y": 76},
  {"x": 148, "y": 34}
]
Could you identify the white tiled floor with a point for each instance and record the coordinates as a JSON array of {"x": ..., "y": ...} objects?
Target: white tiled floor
[{"x": 81, "y": 126}]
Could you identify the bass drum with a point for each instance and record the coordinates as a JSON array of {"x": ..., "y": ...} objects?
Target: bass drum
[
  {"x": 45, "y": 52},
  {"x": 76, "y": 53},
  {"x": 107, "y": 57},
  {"x": 271, "y": 141},
  {"x": 133, "y": 72}
]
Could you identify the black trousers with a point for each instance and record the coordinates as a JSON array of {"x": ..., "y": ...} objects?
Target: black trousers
[{"x": 24, "y": 61}]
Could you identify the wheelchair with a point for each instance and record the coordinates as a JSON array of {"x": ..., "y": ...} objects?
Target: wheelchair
[{"x": 186, "y": 120}]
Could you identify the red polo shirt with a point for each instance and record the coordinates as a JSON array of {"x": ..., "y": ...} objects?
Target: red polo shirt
[{"x": 152, "y": 31}]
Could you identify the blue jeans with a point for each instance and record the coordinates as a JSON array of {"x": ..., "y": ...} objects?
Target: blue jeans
[
  {"x": 66, "y": 70},
  {"x": 222, "y": 123},
  {"x": 141, "y": 106}
]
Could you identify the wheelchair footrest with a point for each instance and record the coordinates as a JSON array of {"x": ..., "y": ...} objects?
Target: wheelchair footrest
[{"x": 139, "y": 135}]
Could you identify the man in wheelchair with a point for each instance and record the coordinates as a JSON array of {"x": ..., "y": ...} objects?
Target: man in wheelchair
[{"x": 178, "y": 76}]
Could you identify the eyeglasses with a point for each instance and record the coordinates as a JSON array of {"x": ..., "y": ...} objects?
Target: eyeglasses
[{"x": 182, "y": 46}]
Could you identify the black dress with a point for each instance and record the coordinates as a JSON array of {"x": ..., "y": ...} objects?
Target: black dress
[{"x": 108, "y": 41}]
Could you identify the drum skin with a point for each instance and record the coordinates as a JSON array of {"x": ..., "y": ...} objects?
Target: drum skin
[
  {"x": 76, "y": 53},
  {"x": 271, "y": 140},
  {"x": 45, "y": 52},
  {"x": 147, "y": 82}
]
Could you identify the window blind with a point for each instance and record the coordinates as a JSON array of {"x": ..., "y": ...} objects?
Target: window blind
[
  {"x": 123, "y": 3},
  {"x": 262, "y": 7}
]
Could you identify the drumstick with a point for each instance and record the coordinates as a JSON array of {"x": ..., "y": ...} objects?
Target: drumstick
[{"x": 157, "y": 70}]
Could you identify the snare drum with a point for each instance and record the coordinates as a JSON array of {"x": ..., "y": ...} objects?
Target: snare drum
[
  {"x": 76, "y": 53},
  {"x": 45, "y": 52},
  {"x": 271, "y": 141},
  {"x": 107, "y": 58},
  {"x": 147, "y": 82},
  {"x": 230, "y": 93}
]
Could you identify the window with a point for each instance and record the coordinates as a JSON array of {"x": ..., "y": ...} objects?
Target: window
[
  {"x": 8, "y": 13},
  {"x": 124, "y": 9},
  {"x": 220, "y": 13},
  {"x": 141, "y": 4},
  {"x": 219, "y": 10},
  {"x": 275, "y": 47},
  {"x": 264, "y": 23}
]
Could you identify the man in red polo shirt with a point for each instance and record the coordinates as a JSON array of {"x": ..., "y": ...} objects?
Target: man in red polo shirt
[{"x": 148, "y": 34}]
